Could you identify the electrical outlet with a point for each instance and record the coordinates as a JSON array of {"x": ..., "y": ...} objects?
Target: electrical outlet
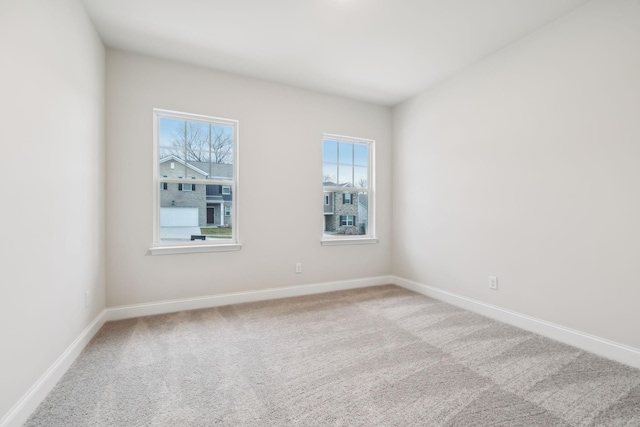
[
  {"x": 493, "y": 283},
  {"x": 87, "y": 299},
  {"x": 298, "y": 267}
]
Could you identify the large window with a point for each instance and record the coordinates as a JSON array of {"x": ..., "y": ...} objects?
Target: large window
[
  {"x": 347, "y": 169},
  {"x": 195, "y": 177}
]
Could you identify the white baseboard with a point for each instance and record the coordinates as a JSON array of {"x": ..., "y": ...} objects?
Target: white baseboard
[
  {"x": 37, "y": 393},
  {"x": 162, "y": 307},
  {"x": 600, "y": 346}
]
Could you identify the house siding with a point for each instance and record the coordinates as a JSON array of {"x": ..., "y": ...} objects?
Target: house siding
[{"x": 203, "y": 197}]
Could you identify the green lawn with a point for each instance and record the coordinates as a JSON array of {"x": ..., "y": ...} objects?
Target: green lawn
[{"x": 221, "y": 233}]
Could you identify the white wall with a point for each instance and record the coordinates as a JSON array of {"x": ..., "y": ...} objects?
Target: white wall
[
  {"x": 51, "y": 184},
  {"x": 526, "y": 166},
  {"x": 280, "y": 182}
]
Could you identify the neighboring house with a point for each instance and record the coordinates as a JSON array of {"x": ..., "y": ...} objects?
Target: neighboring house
[
  {"x": 345, "y": 212},
  {"x": 213, "y": 202}
]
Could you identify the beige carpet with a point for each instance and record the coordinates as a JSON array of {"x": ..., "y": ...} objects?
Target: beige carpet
[{"x": 380, "y": 356}]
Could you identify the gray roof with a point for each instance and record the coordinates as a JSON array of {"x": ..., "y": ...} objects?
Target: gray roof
[
  {"x": 333, "y": 184},
  {"x": 211, "y": 170},
  {"x": 215, "y": 170}
]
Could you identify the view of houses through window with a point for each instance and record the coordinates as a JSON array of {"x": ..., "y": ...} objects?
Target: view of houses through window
[
  {"x": 346, "y": 167},
  {"x": 195, "y": 172}
]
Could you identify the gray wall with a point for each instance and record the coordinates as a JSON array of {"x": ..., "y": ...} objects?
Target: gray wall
[
  {"x": 525, "y": 166},
  {"x": 52, "y": 185},
  {"x": 280, "y": 182}
]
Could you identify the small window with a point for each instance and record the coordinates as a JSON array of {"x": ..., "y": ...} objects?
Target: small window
[
  {"x": 227, "y": 210},
  {"x": 347, "y": 220},
  {"x": 226, "y": 190},
  {"x": 348, "y": 173}
]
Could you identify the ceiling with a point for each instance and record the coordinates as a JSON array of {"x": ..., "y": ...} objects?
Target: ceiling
[{"x": 381, "y": 51}]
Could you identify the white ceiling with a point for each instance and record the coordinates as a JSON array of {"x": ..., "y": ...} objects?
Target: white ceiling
[{"x": 382, "y": 51}]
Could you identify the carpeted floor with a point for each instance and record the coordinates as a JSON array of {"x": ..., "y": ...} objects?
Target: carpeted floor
[{"x": 380, "y": 356}]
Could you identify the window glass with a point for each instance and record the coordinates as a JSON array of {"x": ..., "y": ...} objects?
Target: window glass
[
  {"x": 330, "y": 151},
  {"x": 196, "y": 175},
  {"x": 346, "y": 165},
  {"x": 345, "y": 153}
]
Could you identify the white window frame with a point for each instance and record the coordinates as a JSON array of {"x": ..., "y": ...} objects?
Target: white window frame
[
  {"x": 160, "y": 247},
  {"x": 227, "y": 210},
  {"x": 226, "y": 190},
  {"x": 349, "y": 220},
  {"x": 370, "y": 237}
]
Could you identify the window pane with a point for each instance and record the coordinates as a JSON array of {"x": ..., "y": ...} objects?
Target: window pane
[
  {"x": 208, "y": 147},
  {"x": 329, "y": 174},
  {"x": 183, "y": 134},
  {"x": 220, "y": 171},
  {"x": 220, "y": 144},
  {"x": 361, "y": 154},
  {"x": 198, "y": 164},
  {"x": 202, "y": 165},
  {"x": 193, "y": 214},
  {"x": 346, "y": 219},
  {"x": 360, "y": 176},
  {"x": 196, "y": 156},
  {"x": 329, "y": 151},
  {"x": 172, "y": 164},
  {"x": 167, "y": 131},
  {"x": 168, "y": 152},
  {"x": 345, "y": 153},
  {"x": 345, "y": 175}
]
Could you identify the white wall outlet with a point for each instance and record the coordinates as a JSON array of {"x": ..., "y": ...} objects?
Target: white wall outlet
[
  {"x": 87, "y": 299},
  {"x": 298, "y": 267},
  {"x": 493, "y": 283}
]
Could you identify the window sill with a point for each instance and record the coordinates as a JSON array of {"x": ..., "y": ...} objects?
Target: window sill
[
  {"x": 349, "y": 241},
  {"x": 168, "y": 250}
]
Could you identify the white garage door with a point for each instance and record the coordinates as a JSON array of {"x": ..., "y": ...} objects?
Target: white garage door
[{"x": 178, "y": 217}]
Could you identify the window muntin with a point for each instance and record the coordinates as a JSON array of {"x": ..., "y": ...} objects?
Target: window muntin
[
  {"x": 196, "y": 175},
  {"x": 347, "y": 165}
]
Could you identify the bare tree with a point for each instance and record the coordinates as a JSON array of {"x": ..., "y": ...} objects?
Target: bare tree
[
  {"x": 221, "y": 145},
  {"x": 362, "y": 183},
  {"x": 198, "y": 143}
]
